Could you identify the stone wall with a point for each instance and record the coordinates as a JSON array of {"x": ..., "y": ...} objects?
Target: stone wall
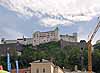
[{"x": 77, "y": 44}]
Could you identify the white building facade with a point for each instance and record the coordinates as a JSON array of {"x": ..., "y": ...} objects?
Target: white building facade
[
  {"x": 45, "y": 37},
  {"x": 45, "y": 66},
  {"x": 24, "y": 41}
]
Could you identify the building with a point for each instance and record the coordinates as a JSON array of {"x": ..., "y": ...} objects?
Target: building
[
  {"x": 57, "y": 69},
  {"x": 12, "y": 48},
  {"x": 98, "y": 41},
  {"x": 69, "y": 38},
  {"x": 45, "y": 37},
  {"x": 42, "y": 37},
  {"x": 44, "y": 66},
  {"x": 68, "y": 43},
  {"x": 81, "y": 44},
  {"x": 8, "y": 41},
  {"x": 25, "y": 70},
  {"x": 24, "y": 41}
]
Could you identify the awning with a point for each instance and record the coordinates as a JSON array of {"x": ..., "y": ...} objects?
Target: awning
[{"x": 3, "y": 71}]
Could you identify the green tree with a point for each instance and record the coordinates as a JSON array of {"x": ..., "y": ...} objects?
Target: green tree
[{"x": 96, "y": 60}]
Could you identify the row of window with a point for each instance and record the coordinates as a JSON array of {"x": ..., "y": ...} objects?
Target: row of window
[
  {"x": 37, "y": 71},
  {"x": 36, "y": 35},
  {"x": 45, "y": 40}
]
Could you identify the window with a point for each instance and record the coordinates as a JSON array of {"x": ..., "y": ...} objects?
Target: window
[
  {"x": 37, "y": 71},
  {"x": 37, "y": 35},
  {"x": 44, "y": 40},
  {"x": 43, "y": 70},
  {"x": 34, "y": 40},
  {"x": 34, "y": 35}
]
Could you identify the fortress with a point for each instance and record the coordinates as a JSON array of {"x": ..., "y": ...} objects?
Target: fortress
[
  {"x": 43, "y": 37},
  {"x": 37, "y": 39}
]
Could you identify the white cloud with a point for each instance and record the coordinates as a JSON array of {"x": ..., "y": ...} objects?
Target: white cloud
[
  {"x": 10, "y": 33},
  {"x": 81, "y": 34},
  {"x": 80, "y": 18},
  {"x": 53, "y": 22},
  {"x": 76, "y": 10}
]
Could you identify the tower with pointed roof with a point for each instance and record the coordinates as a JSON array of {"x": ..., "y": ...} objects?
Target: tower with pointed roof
[{"x": 57, "y": 34}]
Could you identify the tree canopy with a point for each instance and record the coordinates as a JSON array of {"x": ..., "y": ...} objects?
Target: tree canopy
[{"x": 66, "y": 57}]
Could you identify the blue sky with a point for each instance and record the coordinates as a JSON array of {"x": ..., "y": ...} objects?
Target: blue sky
[{"x": 18, "y": 18}]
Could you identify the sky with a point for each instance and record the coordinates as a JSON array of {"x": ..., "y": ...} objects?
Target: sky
[{"x": 23, "y": 17}]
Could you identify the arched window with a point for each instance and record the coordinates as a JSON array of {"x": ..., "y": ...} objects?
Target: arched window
[
  {"x": 43, "y": 70},
  {"x": 37, "y": 71}
]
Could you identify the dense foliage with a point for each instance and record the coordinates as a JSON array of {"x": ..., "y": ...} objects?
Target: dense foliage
[{"x": 67, "y": 57}]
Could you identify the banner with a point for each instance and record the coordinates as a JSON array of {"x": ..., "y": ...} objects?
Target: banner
[
  {"x": 17, "y": 67},
  {"x": 8, "y": 62}
]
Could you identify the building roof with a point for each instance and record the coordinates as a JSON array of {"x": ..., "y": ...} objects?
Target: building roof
[
  {"x": 43, "y": 61},
  {"x": 46, "y": 31},
  {"x": 24, "y": 38}
]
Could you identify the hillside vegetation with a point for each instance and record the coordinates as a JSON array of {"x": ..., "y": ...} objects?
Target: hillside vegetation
[{"x": 67, "y": 57}]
